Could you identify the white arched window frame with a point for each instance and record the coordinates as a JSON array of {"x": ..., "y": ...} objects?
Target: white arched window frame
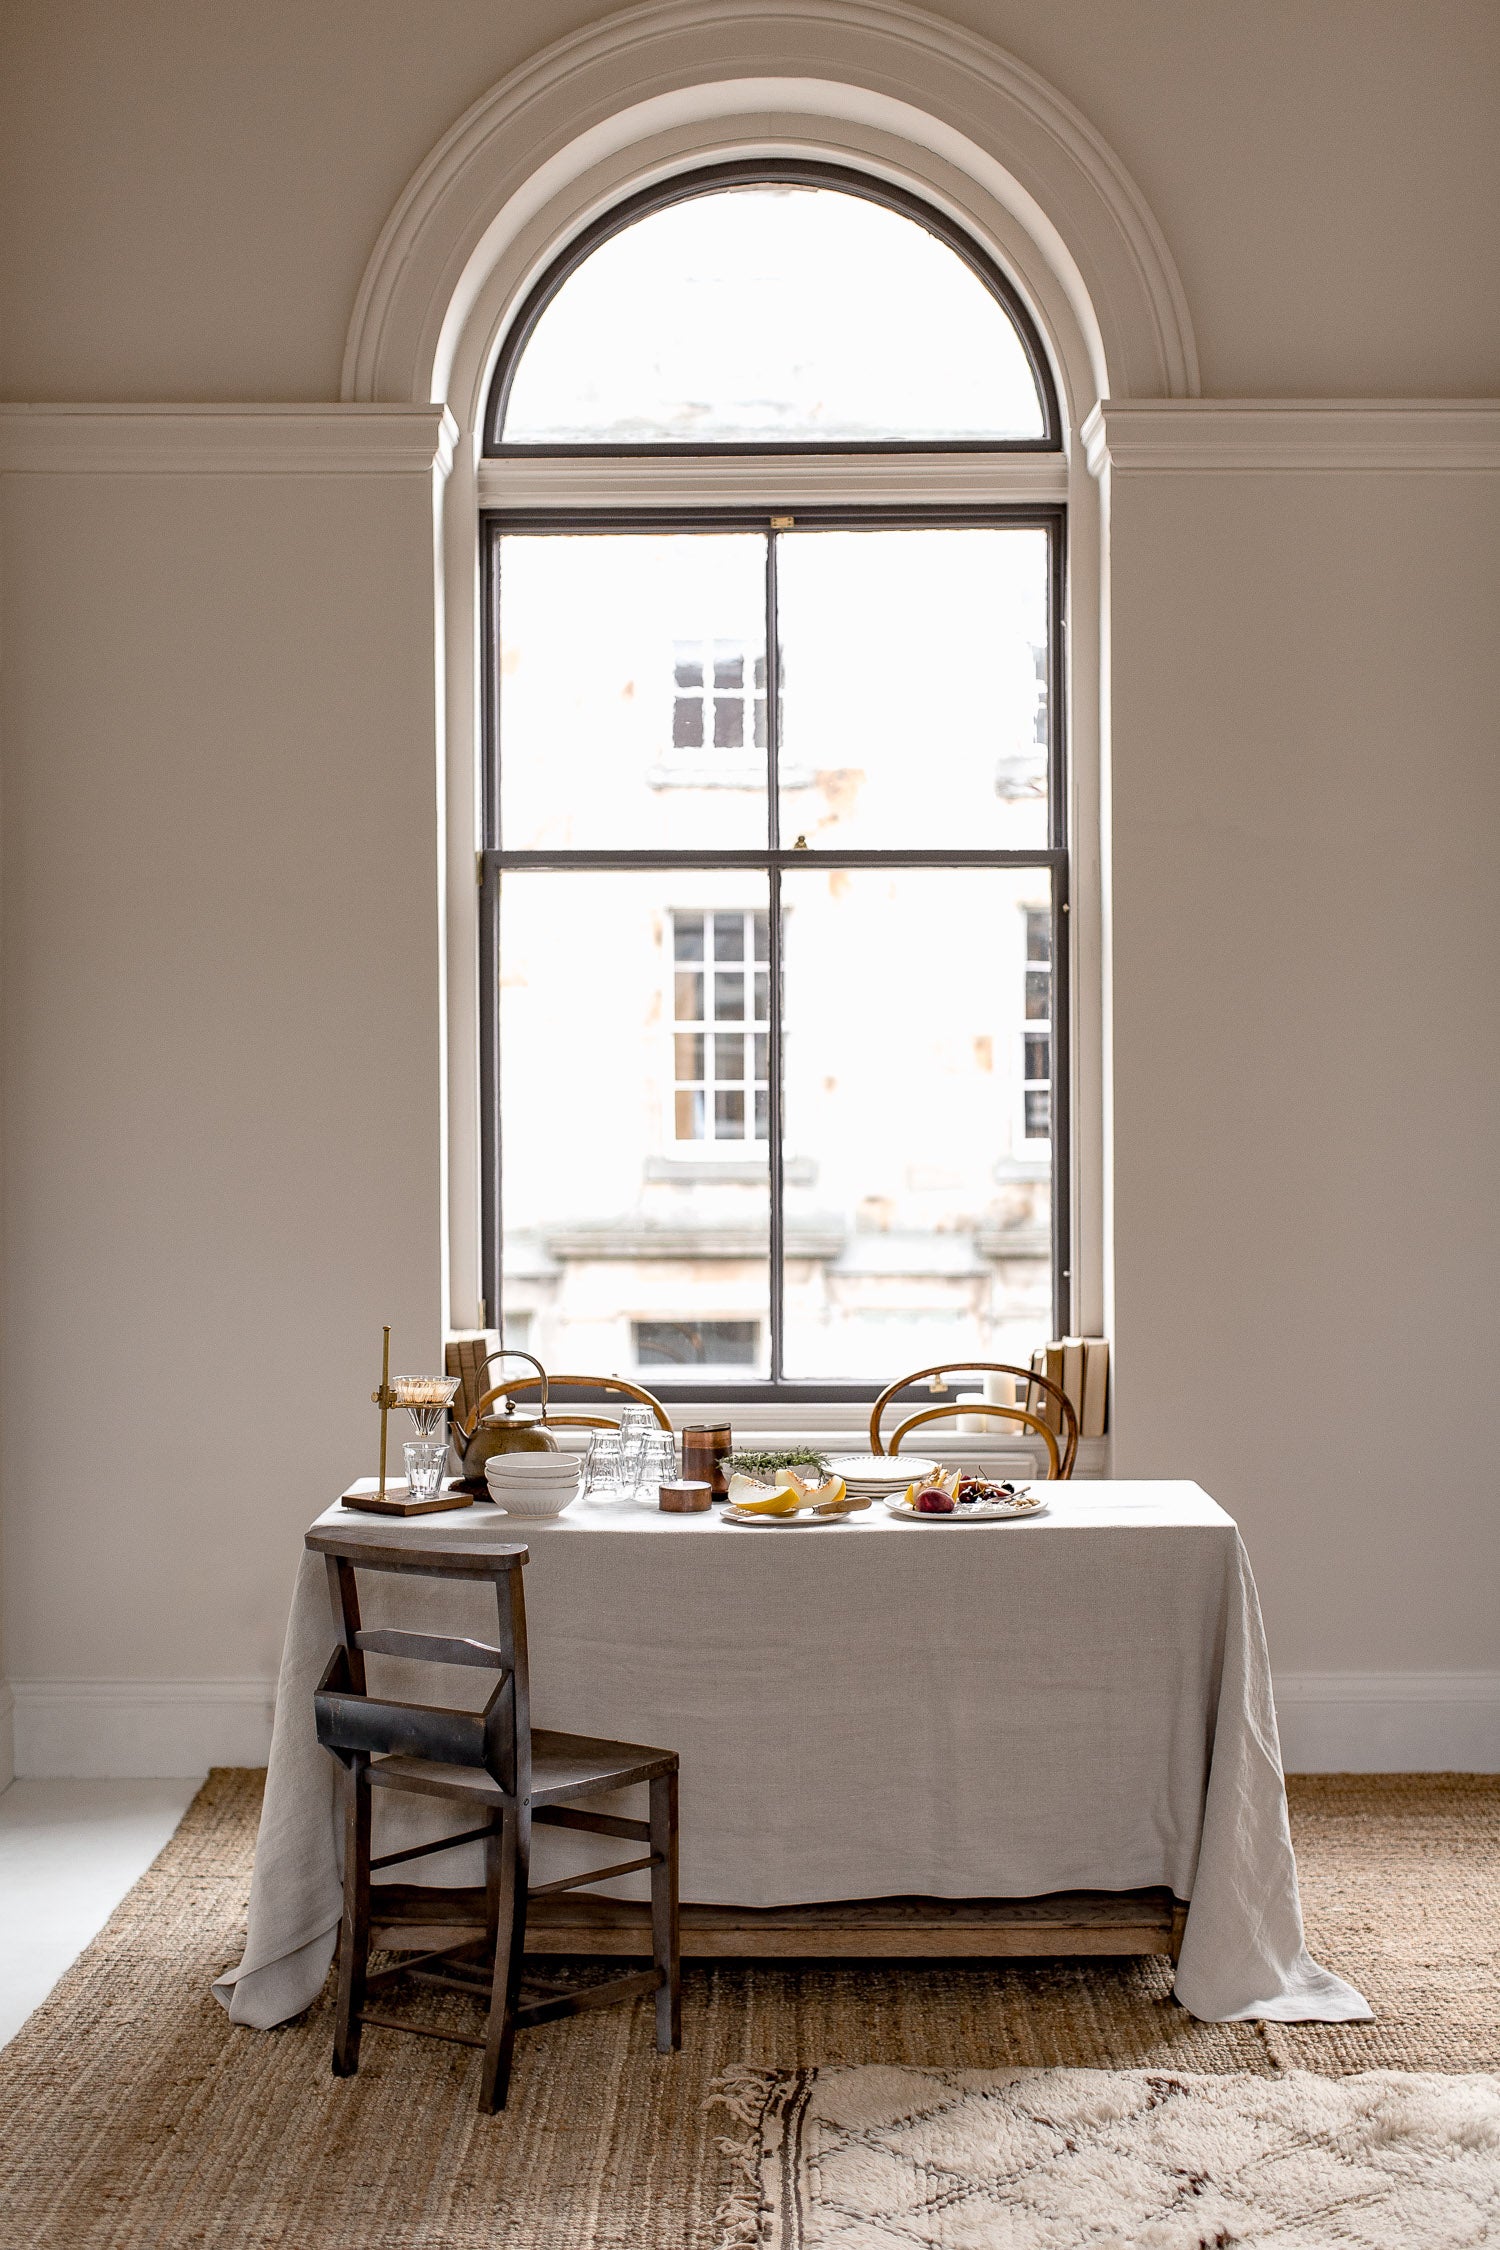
[{"x": 885, "y": 91}]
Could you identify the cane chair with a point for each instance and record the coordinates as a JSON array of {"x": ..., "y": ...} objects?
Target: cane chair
[
  {"x": 510, "y": 1776},
  {"x": 573, "y": 1382},
  {"x": 1059, "y": 1465}
]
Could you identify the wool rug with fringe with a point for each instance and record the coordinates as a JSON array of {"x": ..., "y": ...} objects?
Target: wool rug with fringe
[{"x": 879, "y": 2158}]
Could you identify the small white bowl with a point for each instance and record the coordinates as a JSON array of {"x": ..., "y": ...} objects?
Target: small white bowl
[
  {"x": 535, "y": 1502},
  {"x": 533, "y": 1465}
]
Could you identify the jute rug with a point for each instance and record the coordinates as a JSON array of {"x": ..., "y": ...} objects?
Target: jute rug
[
  {"x": 875, "y": 2158},
  {"x": 134, "y": 2116}
]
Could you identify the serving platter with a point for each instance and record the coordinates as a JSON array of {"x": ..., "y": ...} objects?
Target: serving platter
[
  {"x": 986, "y": 1511},
  {"x": 779, "y": 1523}
]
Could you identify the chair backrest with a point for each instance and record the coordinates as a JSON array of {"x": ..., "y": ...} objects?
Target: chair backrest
[
  {"x": 352, "y": 1723},
  {"x": 1061, "y": 1418},
  {"x": 556, "y": 1421}
]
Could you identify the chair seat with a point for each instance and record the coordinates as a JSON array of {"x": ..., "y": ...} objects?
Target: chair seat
[
  {"x": 568, "y": 1765},
  {"x": 562, "y": 1766}
]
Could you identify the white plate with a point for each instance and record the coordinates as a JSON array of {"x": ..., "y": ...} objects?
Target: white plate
[
  {"x": 784, "y": 1523},
  {"x": 877, "y": 1472},
  {"x": 994, "y": 1511}
]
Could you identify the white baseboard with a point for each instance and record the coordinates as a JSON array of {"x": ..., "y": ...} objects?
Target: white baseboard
[
  {"x": 139, "y": 1729},
  {"x": 7, "y": 1735},
  {"x": 1331, "y": 1722},
  {"x": 1389, "y": 1722}
]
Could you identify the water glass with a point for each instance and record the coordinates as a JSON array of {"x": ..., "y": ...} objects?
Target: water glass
[
  {"x": 606, "y": 1464},
  {"x": 658, "y": 1462},
  {"x": 636, "y": 1424},
  {"x": 425, "y": 1461}
]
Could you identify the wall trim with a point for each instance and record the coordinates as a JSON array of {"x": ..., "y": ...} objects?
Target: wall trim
[
  {"x": 1389, "y": 1722},
  {"x": 300, "y": 440},
  {"x": 7, "y": 1735},
  {"x": 1212, "y": 436},
  {"x": 1330, "y": 1722},
  {"x": 139, "y": 1729},
  {"x": 682, "y": 58}
]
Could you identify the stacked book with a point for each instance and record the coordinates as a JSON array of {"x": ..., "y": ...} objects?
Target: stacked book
[
  {"x": 1079, "y": 1365},
  {"x": 464, "y": 1356}
]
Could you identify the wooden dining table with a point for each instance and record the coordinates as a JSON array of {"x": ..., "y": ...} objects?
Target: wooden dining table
[{"x": 1049, "y": 1735}]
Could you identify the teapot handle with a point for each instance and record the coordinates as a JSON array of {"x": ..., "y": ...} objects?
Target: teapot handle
[{"x": 468, "y": 1428}]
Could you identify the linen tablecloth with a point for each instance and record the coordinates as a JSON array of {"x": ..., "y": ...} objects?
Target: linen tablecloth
[{"x": 1081, "y": 1701}]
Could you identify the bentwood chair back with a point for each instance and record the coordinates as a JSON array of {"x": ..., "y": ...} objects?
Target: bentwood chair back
[
  {"x": 556, "y": 1421},
  {"x": 1061, "y": 1418},
  {"x": 509, "y": 1775}
]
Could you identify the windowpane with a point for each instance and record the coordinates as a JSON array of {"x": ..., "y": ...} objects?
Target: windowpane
[
  {"x": 772, "y": 314},
  {"x": 642, "y": 1197},
  {"x": 697, "y": 1343},
  {"x": 910, "y": 696},
  {"x": 611, "y": 729},
  {"x": 918, "y": 1204},
  {"x": 729, "y": 937}
]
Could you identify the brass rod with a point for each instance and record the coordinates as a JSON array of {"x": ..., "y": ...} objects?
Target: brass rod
[{"x": 385, "y": 1384}]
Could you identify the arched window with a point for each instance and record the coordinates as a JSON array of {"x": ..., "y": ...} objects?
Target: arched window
[
  {"x": 774, "y": 993},
  {"x": 771, "y": 307}
]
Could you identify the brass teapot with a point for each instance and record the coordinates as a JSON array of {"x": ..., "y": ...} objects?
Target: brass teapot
[{"x": 478, "y": 1436}]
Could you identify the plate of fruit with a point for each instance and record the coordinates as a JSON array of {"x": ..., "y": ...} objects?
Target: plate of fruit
[
  {"x": 958, "y": 1496},
  {"x": 792, "y": 1501}
]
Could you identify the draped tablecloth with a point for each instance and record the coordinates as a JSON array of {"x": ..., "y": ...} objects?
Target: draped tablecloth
[{"x": 1080, "y": 1701}]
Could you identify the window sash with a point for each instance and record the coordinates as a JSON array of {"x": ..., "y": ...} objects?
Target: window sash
[{"x": 772, "y": 861}]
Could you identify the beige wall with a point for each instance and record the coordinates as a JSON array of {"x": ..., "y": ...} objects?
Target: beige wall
[
  {"x": 192, "y": 192},
  {"x": 1307, "y": 1082},
  {"x": 221, "y": 1069},
  {"x": 221, "y": 1133}
]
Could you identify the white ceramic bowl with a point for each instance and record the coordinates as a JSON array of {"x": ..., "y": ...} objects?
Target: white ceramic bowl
[
  {"x": 534, "y": 1501},
  {"x": 533, "y": 1468}
]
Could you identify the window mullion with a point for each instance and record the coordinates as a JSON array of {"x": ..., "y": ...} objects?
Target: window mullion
[{"x": 776, "y": 1247}]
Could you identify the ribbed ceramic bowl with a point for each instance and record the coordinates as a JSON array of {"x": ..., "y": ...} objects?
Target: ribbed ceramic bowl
[{"x": 536, "y": 1500}]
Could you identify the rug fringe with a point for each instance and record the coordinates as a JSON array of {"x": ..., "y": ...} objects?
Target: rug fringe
[{"x": 740, "y": 2218}]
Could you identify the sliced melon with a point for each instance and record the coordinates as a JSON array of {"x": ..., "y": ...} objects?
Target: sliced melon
[{"x": 755, "y": 1499}]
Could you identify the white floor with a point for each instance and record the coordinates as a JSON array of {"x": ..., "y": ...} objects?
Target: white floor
[{"x": 69, "y": 1851}]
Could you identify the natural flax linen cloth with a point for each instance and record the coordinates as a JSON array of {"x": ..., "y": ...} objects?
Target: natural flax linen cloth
[{"x": 1077, "y": 1702}]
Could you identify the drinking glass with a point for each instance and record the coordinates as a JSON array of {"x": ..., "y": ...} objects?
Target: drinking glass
[
  {"x": 658, "y": 1462},
  {"x": 425, "y": 1459},
  {"x": 636, "y": 1424},
  {"x": 606, "y": 1464}
]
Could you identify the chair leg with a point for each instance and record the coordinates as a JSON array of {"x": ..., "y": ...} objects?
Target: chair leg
[
  {"x": 508, "y": 1870},
  {"x": 354, "y": 1930},
  {"x": 666, "y": 1943}
]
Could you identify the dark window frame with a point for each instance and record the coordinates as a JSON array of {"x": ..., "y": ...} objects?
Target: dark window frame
[
  {"x": 773, "y": 860},
  {"x": 717, "y": 179}
]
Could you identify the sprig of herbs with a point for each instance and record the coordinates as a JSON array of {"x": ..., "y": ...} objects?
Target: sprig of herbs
[{"x": 747, "y": 1462}]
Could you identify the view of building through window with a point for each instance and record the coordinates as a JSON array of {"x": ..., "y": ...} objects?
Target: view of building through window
[{"x": 767, "y": 1114}]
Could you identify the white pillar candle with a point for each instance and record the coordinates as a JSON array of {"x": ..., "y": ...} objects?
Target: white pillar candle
[{"x": 1000, "y": 1390}]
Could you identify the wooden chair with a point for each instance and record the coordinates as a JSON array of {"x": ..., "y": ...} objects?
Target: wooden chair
[
  {"x": 1059, "y": 1466},
  {"x": 572, "y": 1382},
  {"x": 508, "y": 1773}
]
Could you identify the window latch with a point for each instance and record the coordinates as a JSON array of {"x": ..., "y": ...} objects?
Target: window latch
[{"x": 783, "y": 523}]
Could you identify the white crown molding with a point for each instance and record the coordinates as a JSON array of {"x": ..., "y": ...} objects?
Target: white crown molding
[
  {"x": 139, "y": 1729},
  {"x": 957, "y": 91},
  {"x": 1212, "y": 436},
  {"x": 744, "y": 481},
  {"x": 294, "y": 440}
]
